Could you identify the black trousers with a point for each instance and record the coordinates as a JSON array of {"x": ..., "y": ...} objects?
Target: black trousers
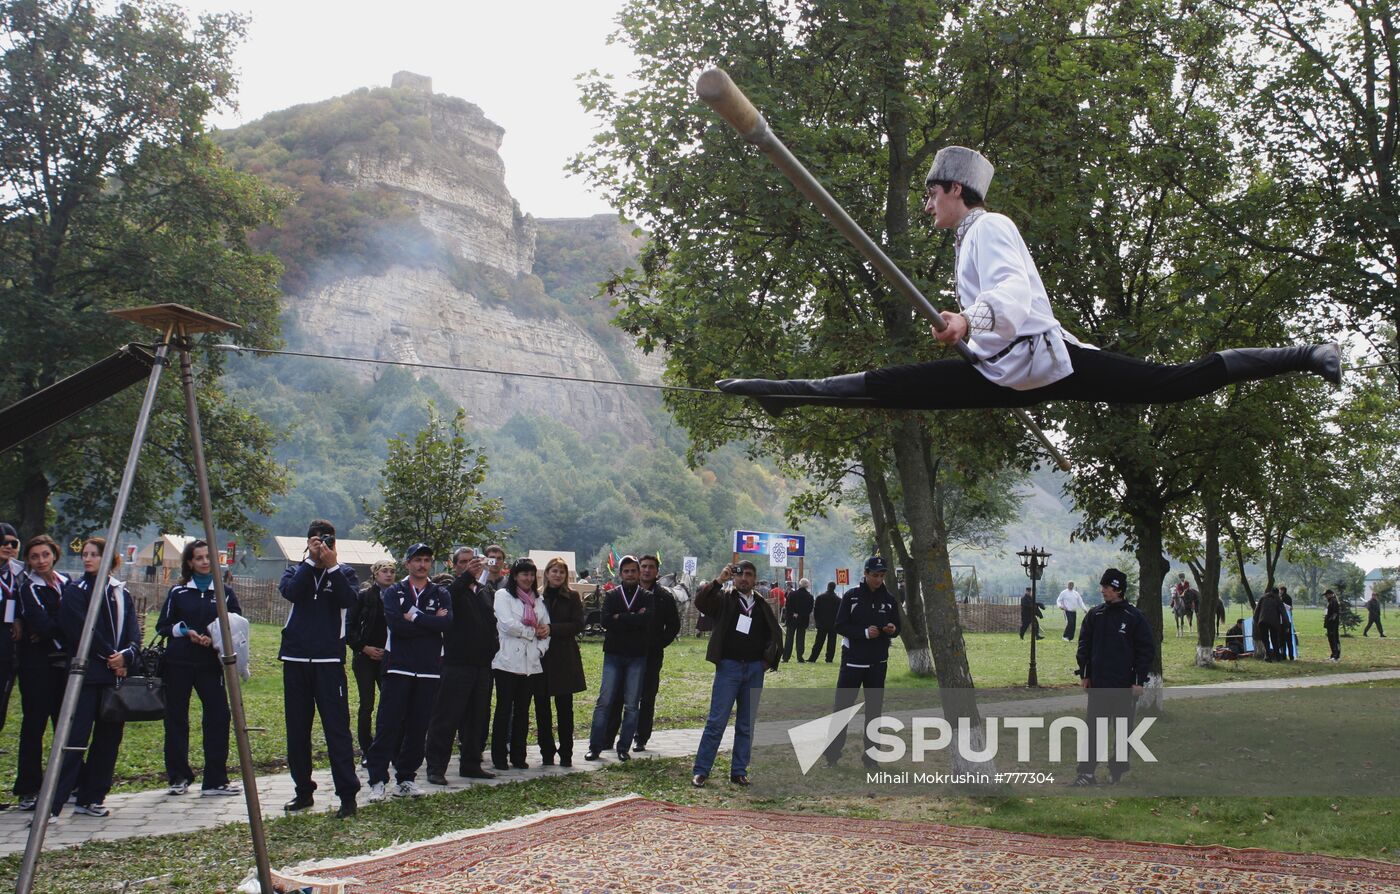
[
  {"x": 1334, "y": 639},
  {"x": 89, "y": 776},
  {"x": 40, "y": 697},
  {"x": 545, "y": 729},
  {"x": 7, "y": 682},
  {"x": 800, "y": 634},
  {"x": 208, "y": 682},
  {"x": 1111, "y": 704},
  {"x": 646, "y": 712},
  {"x": 462, "y": 711},
  {"x": 827, "y": 637},
  {"x": 511, "y": 726},
  {"x": 311, "y": 688},
  {"x": 1272, "y": 635},
  {"x": 1029, "y": 623},
  {"x": 1069, "y": 625},
  {"x": 848, "y": 684},
  {"x": 1101, "y": 376},
  {"x": 1376, "y": 620},
  {"x": 401, "y": 729},
  {"x": 368, "y": 677},
  {"x": 1286, "y": 642}
]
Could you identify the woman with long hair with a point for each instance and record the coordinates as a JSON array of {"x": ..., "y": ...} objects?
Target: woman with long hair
[
  {"x": 116, "y": 643},
  {"x": 522, "y": 625},
  {"x": 563, "y": 665},
  {"x": 41, "y": 662},
  {"x": 192, "y": 664},
  {"x": 366, "y": 633}
]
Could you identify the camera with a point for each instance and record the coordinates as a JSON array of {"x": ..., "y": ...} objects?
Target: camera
[
  {"x": 734, "y": 568},
  {"x": 491, "y": 561},
  {"x": 327, "y": 540}
]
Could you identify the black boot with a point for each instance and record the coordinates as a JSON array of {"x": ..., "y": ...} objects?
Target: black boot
[
  {"x": 1248, "y": 364},
  {"x": 777, "y": 395}
]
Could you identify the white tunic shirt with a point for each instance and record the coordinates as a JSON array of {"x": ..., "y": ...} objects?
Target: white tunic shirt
[
  {"x": 1070, "y": 601},
  {"x": 995, "y": 270}
]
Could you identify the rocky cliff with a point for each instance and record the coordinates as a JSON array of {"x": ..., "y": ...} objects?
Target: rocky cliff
[{"x": 458, "y": 289}]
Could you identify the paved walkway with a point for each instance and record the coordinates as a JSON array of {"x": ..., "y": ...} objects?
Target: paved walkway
[{"x": 143, "y": 814}]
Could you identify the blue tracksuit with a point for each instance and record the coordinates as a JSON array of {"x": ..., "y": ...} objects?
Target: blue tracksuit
[{"x": 412, "y": 671}]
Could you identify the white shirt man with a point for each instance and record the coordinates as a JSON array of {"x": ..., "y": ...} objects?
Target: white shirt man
[{"x": 1071, "y": 603}]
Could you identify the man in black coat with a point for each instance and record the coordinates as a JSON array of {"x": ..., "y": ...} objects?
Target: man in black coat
[
  {"x": 665, "y": 626},
  {"x": 1268, "y": 622},
  {"x": 1030, "y": 614},
  {"x": 1115, "y": 656},
  {"x": 866, "y": 621},
  {"x": 463, "y": 706},
  {"x": 1373, "y": 616},
  {"x": 797, "y": 613},
  {"x": 1332, "y": 623},
  {"x": 824, "y": 610}
]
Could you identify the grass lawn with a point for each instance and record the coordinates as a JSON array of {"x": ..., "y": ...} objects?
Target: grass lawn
[
  {"x": 205, "y": 862},
  {"x": 997, "y": 659}
]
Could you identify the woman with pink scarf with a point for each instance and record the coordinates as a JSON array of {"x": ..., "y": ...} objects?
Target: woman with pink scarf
[{"x": 522, "y": 623}]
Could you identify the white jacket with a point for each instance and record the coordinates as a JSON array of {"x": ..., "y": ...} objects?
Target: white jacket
[
  {"x": 520, "y": 651},
  {"x": 1070, "y": 601},
  {"x": 995, "y": 270}
]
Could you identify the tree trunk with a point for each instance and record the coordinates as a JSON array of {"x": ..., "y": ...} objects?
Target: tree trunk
[
  {"x": 34, "y": 495},
  {"x": 1152, "y": 570},
  {"x": 935, "y": 572},
  {"x": 913, "y": 632},
  {"x": 1209, "y": 584}
]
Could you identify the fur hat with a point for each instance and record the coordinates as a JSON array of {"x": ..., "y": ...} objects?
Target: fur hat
[{"x": 962, "y": 165}]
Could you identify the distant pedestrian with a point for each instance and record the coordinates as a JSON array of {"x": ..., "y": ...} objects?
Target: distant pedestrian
[
  {"x": 797, "y": 614},
  {"x": 1072, "y": 604},
  {"x": 1030, "y": 615},
  {"x": 1373, "y": 616},
  {"x": 1332, "y": 623},
  {"x": 824, "y": 619}
]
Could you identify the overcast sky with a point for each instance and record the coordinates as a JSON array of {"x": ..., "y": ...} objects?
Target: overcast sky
[{"x": 517, "y": 60}]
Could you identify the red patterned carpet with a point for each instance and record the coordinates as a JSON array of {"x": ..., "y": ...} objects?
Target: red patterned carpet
[{"x": 636, "y": 845}]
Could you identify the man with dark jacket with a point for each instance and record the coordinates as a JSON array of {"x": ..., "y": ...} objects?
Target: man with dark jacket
[
  {"x": 1288, "y": 642},
  {"x": 1332, "y": 623},
  {"x": 628, "y": 613},
  {"x": 365, "y": 634},
  {"x": 797, "y": 613},
  {"x": 1030, "y": 614},
  {"x": 745, "y": 643},
  {"x": 320, "y": 590},
  {"x": 418, "y": 612},
  {"x": 1115, "y": 657},
  {"x": 462, "y": 710},
  {"x": 866, "y": 622},
  {"x": 824, "y": 610},
  {"x": 1268, "y": 623},
  {"x": 665, "y": 626},
  {"x": 1373, "y": 616}
]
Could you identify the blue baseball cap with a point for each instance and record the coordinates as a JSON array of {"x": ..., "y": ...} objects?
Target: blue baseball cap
[
  {"x": 417, "y": 549},
  {"x": 876, "y": 563}
]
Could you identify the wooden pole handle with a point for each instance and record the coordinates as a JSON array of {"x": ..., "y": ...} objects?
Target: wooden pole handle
[{"x": 728, "y": 101}]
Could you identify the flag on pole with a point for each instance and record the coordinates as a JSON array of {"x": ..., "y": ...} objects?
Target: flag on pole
[{"x": 612, "y": 559}]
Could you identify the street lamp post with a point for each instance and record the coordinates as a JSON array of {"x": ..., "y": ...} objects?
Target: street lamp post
[{"x": 1033, "y": 560}]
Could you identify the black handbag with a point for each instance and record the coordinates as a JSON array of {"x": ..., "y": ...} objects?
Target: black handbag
[
  {"x": 140, "y": 697},
  {"x": 132, "y": 699}
]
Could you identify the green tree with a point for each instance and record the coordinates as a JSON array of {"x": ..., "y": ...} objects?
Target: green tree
[
  {"x": 111, "y": 196},
  {"x": 430, "y": 490}
]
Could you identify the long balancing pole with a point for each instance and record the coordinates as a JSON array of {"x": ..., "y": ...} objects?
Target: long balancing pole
[
  {"x": 229, "y": 657},
  {"x": 77, "y": 670}
]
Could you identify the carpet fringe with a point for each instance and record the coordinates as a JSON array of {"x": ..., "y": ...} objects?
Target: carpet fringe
[{"x": 291, "y": 876}]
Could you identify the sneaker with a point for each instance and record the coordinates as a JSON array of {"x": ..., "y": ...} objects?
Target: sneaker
[
  {"x": 376, "y": 793},
  {"x": 437, "y": 779},
  {"x": 409, "y": 789},
  {"x": 623, "y": 756},
  {"x": 228, "y": 789},
  {"x": 698, "y": 780},
  {"x": 178, "y": 788},
  {"x": 47, "y": 822},
  {"x": 1082, "y": 780},
  {"x": 28, "y": 802},
  {"x": 739, "y": 779},
  {"x": 590, "y": 755},
  {"x": 640, "y": 746},
  {"x": 91, "y": 810}
]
